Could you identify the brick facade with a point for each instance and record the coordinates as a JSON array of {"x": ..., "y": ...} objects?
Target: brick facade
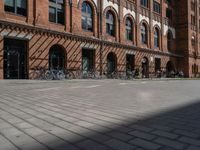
[{"x": 40, "y": 34}]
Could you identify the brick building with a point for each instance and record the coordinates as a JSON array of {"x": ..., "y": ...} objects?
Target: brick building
[{"x": 102, "y": 35}]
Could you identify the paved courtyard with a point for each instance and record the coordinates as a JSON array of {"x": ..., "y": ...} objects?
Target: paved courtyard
[{"x": 100, "y": 115}]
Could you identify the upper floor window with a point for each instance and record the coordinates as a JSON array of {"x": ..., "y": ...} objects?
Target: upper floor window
[
  {"x": 156, "y": 7},
  {"x": 193, "y": 5},
  {"x": 169, "y": 40},
  {"x": 144, "y": 34},
  {"x": 129, "y": 30},
  {"x": 156, "y": 38},
  {"x": 144, "y": 3},
  {"x": 56, "y": 11},
  {"x": 110, "y": 23},
  {"x": 16, "y": 6},
  {"x": 169, "y": 1},
  {"x": 193, "y": 42},
  {"x": 87, "y": 21},
  {"x": 193, "y": 21},
  {"x": 169, "y": 13}
]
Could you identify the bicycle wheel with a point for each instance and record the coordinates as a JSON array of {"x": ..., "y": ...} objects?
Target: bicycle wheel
[
  {"x": 60, "y": 75},
  {"x": 48, "y": 75}
]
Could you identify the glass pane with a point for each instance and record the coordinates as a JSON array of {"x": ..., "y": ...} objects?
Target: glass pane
[
  {"x": 52, "y": 14},
  {"x": 21, "y": 7},
  {"x": 9, "y": 5},
  {"x": 21, "y": 4},
  {"x": 60, "y": 14}
]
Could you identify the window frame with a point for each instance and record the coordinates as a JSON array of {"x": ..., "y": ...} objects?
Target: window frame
[
  {"x": 129, "y": 29},
  {"x": 87, "y": 17},
  {"x": 110, "y": 23},
  {"x": 58, "y": 7},
  {"x": 144, "y": 34},
  {"x": 16, "y": 8},
  {"x": 156, "y": 38}
]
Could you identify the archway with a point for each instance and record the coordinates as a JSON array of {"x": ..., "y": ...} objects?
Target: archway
[
  {"x": 145, "y": 67},
  {"x": 56, "y": 58}
]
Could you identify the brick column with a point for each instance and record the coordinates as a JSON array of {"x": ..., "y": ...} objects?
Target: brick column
[
  {"x": 137, "y": 24},
  {"x": 30, "y": 11},
  {"x": 41, "y": 16}
]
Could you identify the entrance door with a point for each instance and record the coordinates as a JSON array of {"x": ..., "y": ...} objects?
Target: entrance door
[
  {"x": 129, "y": 63},
  {"x": 15, "y": 59},
  {"x": 111, "y": 63},
  {"x": 145, "y": 67},
  {"x": 88, "y": 59},
  {"x": 158, "y": 67}
]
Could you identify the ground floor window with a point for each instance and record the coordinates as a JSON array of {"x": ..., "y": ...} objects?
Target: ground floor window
[
  {"x": 15, "y": 59},
  {"x": 56, "y": 58},
  {"x": 88, "y": 60}
]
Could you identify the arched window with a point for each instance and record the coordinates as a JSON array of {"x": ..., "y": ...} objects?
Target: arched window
[
  {"x": 110, "y": 24},
  {"x": 193, "y": 41},
  {"x": 56, "y": 58},
  {"x": 144, "y": 34},
  {"x": 169, "y": 40},
  {"x": 156, "y": 38},
  {"x": 129, "y": 30},
  {"x": 87, "y": 17}
]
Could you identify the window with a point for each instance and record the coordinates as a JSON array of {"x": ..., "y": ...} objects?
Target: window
[
  {"x": 87, "y": 21},
  {"x": 16, "y": 6},
  {"x": 144, "y": 3},
  {"x": 144, "y": 34},
  {"x": 56, "y": 11},
  {"x": 110, "y": 23},
  {"x": 156, "y": 7},
  {"x": 56, "y": 58},
  {"x": 169, "y": 13},
  {"x": 129, "y": 30},
  {"x": 169, "y": 40},
  {"x": 192, "y": 5},
  {"x": 193, "y": 20},
  {"x": 193, "y": 41},
  {"x": 156, "y": 38}
]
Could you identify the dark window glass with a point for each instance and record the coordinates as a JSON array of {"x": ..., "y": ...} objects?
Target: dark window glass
[
  {"x": 16, "y": 6},
  {"x": 56, "y": 11},
  {"x": 144, "y": 34},
  {"x": 129, "y": 30},
  {"x": 56, "y": 58},
  {"x": 169, "y": 41},
  {"x": 110, "y": 24},
  {"x": 144, "y": 3},
  {"x": 156, "y": 7},
  {"x": 87, "y": 21},
  {"x": 156, "y": 38},
  {"x": 169, "y": 13}
]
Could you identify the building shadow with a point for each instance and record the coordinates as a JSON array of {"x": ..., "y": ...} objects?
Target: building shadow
[{"x": 169, "y": 129}]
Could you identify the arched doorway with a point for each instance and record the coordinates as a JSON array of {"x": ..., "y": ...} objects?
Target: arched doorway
[
  {"x": 111, "y": 63},
  {"x": 145, "y": 67},
  {"x": 169, "y": 69},
  {"x": 56, "y": 58}
]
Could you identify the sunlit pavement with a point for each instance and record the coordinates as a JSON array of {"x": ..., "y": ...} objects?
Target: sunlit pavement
[{"x": 100, "y": 115}]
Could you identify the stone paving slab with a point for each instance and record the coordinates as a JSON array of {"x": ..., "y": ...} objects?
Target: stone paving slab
[{"x": 100, "y": 115}]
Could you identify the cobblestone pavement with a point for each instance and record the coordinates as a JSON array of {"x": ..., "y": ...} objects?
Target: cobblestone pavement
[{"x": 100, "y": 115}]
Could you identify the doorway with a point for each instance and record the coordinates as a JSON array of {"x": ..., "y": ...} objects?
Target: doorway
[
  {"x": 88, "y": 60},
  {"x": 15, "y": 59}
]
